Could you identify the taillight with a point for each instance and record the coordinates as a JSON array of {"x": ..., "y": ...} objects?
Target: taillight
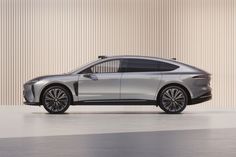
[
  {"x": 202, "y": 80},
  {"x": 202, "y": 77}
]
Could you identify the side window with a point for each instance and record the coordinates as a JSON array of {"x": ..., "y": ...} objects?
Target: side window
[
  {"x": 162, "y": 66},
  {"x": 145, "y": 65},
  {"x": 112, "y": 66},
  {"x": 140, "y": 65}
]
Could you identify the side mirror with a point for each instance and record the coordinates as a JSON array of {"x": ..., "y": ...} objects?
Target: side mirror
[
  {"x": 91, "y": 76},
  {"x": 87, "y": 75}
]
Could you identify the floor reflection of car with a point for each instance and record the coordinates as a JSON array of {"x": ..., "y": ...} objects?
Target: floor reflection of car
[{"x": 122, "y": 80}]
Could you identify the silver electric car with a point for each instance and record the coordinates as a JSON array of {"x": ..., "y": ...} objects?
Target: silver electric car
[{"x": 126, "y": 80}]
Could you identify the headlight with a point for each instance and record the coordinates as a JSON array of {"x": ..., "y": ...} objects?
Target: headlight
[
  {"x": 34, "y": 81},
  {"x": 31, "y": 82}
]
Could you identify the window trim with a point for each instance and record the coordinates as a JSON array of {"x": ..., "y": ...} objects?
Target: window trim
[
  {"x": 123, "y": 66},
  {"x": 108, "y": 60}
]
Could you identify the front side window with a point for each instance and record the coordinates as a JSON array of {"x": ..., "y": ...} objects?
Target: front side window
[
  {"x": 145, "y": 65},
  {"x": 112, "y": 66}
]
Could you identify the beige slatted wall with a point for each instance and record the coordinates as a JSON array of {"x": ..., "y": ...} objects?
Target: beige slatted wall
[{"x": 39, "y": 37}]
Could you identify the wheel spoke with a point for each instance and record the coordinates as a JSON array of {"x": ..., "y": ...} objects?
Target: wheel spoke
[
  {"x": 177, "y": 93},
  {"x": 48, "y": 98},
  {"x": 51, "y": 94},
  {"x": 172, "y": 92},
  {"x": 166, "y": 98},
  {"x": 60, "y": 93},
  {"x": 179, "y": 104},
  {"x": 168, "y": 94},
  {"x": 63, "y": 96},
  {"x": 180, "y": 96}
]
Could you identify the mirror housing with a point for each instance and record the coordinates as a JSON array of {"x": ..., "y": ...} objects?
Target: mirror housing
[{"x": 90, "y": 76}]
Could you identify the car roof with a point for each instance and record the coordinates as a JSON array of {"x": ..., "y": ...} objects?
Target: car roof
[
  {"x": 172, "y": 60},
  {"x": 135, "y": 56}
]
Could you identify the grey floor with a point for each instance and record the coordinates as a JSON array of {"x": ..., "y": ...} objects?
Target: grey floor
[{"x": 117, "y": 131}]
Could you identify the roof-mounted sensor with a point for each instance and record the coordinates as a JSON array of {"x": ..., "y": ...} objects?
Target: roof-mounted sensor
[{"x": 102, "y": 57}]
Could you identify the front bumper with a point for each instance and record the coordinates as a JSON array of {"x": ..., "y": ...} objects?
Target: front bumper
[
  {"x": 205, "y": 97},
  {"x": 29, "y": 94}
]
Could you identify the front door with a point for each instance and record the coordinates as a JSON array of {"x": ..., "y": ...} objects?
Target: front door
[{"x": 100, "y": 82}]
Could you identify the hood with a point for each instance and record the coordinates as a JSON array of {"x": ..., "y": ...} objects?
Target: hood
[{"x": 45, "y": 76}]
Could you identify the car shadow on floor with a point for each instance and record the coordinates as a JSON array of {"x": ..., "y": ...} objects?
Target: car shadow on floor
[
  {"x": 138, "y": 112},
  {"x": 109, "y": 112}
]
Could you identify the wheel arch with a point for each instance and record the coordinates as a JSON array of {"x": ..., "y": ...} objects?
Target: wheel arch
[
  {"x": 55, "y": 84},
  {"x": 178, "y": 85}
]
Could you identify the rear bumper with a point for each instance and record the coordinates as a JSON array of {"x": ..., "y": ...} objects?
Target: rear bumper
[{"x": 205, "y": 97}]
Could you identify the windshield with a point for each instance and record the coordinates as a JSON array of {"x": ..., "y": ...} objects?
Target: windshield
[{"x": 81, "y": 67}]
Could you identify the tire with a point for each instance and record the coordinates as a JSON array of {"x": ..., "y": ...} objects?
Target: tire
[
  {"x": 173, "y": 99},
  {"x": 56, "y": 99}
]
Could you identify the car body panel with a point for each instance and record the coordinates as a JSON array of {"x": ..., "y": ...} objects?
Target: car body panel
[{"x": 140, "y": 85}]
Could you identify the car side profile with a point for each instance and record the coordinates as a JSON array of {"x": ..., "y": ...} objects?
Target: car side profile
[{"x": 122, "y": 80}]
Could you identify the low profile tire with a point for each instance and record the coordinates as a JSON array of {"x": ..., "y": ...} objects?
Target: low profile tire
[
  {"x": 56, "y": 99},
  {"x": 173, "y": 99}
]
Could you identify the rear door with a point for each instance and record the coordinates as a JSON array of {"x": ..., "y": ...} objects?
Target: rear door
[{"x": 140, "y": 79}]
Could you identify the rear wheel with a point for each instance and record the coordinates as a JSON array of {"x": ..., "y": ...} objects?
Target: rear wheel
[
  {"x": 173, "y": 99},
  {"x": 56, "y": 99}
]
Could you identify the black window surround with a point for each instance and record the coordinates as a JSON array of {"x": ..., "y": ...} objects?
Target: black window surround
[{"x": 134, "y": 65}]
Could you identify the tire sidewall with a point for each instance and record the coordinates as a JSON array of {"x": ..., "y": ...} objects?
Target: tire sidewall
[
  {"x": 67, "y": 93},
  {"x": 162, "y": 106}
]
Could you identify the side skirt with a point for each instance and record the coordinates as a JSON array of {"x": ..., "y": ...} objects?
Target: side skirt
[{"x": 116, "y": 102}]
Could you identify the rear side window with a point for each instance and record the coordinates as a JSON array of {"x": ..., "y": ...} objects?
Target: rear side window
[
  {"x": 145, "y": 65},
  {"x": 162, "y": 66},
  {"x": 140, "y": 65}
]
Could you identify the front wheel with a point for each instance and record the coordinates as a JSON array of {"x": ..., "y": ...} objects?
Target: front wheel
[
  {"x": 56, "y": 99},
  {"x": 173, "y": 99}
]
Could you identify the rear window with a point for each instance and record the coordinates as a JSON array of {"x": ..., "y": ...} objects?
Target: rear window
[{"x": 145, "y": 65}]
